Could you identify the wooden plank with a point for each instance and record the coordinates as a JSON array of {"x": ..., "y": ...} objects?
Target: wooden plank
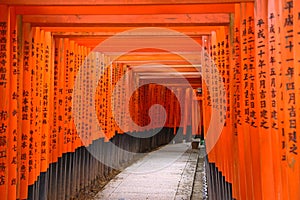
[
  {"x": 116, "y": 2},
  {"x": 125, "y": 9},
  {"x": 188, "y": 30},
  {"x": 131, "y": 19},
  {"x": 92, "y": 36},
  {"x": 94, "y": 42},
  {"x": 193, "y": 85},
  {"x": 86, "y": 34},
  {"x": 100, "y": 35},
  {"x": 170, "y": 74},
  {"x": 177, "y": 68},
  {"x": 122, "y": 44},
  {"x": 115, "y": 49},
  {"x": 174, "y": 81},
  {"x": 156, "y": 58},
  {"x": 165, "y": 62}
]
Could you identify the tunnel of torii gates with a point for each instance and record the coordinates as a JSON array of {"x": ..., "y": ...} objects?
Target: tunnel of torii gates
[{"x": 229, "y": 68}]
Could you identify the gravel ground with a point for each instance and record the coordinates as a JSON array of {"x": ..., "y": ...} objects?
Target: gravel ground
[
  {"x": 200, "y": 183},
  {"x": 89, "y": 192}
]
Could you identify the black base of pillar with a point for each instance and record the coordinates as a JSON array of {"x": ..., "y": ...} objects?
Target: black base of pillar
[{"x": 218, "y": 187}]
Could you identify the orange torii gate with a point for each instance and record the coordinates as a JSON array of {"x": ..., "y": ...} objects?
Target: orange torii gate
[{"x": 254, "y": 46}]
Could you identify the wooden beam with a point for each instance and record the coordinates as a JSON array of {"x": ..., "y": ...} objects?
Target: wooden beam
[
  {"x": 182, "y": 85},
  {"x": 181, "y": 70},
  {"x": 126, "y": 9},
  {"x": 153, "y": 52},
  {"x": 107, "y": 34},
  {"x": 174, "y": 81},
  {"x": 188, "y": 30},
  {"x": 179, "y": 85},
  {"x": 4, "y": 12},
  {"x": 170, "y": 60},
  {"x": 164, "y": 62},
  {"x": 97, "y": 40},
  {"x": 201, "y": 19},
  {"x": 165, "y": 69},
  {"x": 92, "y": 36},
  {"x": 177, "y": 68},
  {"x": 172, "y": 44},
  {"x": 115, "y": 2},
  {"x": 123, "y": 44},
  {"x": 170, "y": 74},
  {"x": 156, "y": 58},
  {"x": 110, "y": 34}
]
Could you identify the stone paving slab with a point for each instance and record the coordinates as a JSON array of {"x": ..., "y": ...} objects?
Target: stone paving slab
[{"x": 166, "y": 174}]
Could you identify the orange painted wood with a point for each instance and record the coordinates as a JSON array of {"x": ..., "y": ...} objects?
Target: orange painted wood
[
  {"x": 221, "y": 64},
  {"x": 126, "y": 9},
  {"x": 109, "y": 31},
  {"x": 261, "y": 163},
  {"x": 178, "y": 68},
  {"x": 249, "y": 122},
  {"x": 118, "y": 2},
  {"x": 296, "y": 168},
  {"x": 145, "y": 41},
  {"x": 66, "y": 102},
  {"x": 205, "y": 79},
  {"x": 55, "y": 128},
  {"x": 158, "y": 57},
  {"x": 37, "y": 99},
  {"x": 20, "y": 100},
  {"x": 234, "y": 103},
  {"x": 70, "y": 90},
  {"x": 239, "y": 104},
  {"x": 77, "y": 64},
  {"x": 221, "y": 154},
  {"x": 4, "y": 100},
  {"x": 263, "y": 87},
  {"x": 31, "y": 157},
  {"x": 13, "y": 95},
  {"x": 45, "y": 103},
  {"x": 290, "y": 81},
  {"x": 50, "y": 45},
  {"x": 199, "y": 19},
  {"x": 210, "y": 76},
  {"x": 229, "y": 102},
  {"x": 26, "y": 93},
  {"x": 275, "y": 82},
  {"x": 61, "y": 96}
]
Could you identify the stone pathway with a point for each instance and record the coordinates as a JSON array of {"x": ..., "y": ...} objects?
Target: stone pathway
[{"x": 166, "y": 174}]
